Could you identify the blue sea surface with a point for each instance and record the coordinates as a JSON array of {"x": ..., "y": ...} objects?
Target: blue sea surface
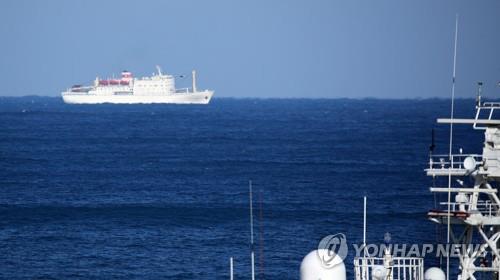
[{"x": 161, "y": 191}]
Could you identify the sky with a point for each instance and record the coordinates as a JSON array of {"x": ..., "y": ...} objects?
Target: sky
[{"x": 255, "y": 48}]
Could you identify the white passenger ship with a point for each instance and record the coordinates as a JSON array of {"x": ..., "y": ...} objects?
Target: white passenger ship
[{"x": 160, "y": 88}]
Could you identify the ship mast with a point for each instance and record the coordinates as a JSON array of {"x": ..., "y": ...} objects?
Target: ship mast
[
  {"x": 252, "y": 253},
  {"x": 451, "y": 143}
]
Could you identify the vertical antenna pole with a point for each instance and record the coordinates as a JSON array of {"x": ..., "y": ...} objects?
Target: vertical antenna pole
[
  {"x": 365, "y": 269},
  {"x": 252, "y": 254},
  {"x": 364, "y": 226},
  {"x": 451, "y": 144},
  {"x": 231, "y": 268},
  {"x": 453, "y": 84},
  {"x": 261, "y": 239}
]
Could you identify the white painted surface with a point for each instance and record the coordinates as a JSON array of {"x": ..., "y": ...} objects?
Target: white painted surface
[
  {"x": 202, "y": 97},
  {"x": 159, "y": 88},
  {"x": 311, "y": 268},
  {"x": 434, "y": 273}
]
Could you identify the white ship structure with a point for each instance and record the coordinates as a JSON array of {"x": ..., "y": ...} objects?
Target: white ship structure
[{"x": 159, "y": 88}]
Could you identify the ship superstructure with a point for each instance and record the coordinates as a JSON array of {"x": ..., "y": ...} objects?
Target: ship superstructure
[
  {"x": 159, "y": 88},
  {"x": 472, "y": 211}
]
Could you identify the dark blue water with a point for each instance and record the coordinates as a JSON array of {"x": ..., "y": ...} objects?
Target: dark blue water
[{"x": 161, "y": 192}]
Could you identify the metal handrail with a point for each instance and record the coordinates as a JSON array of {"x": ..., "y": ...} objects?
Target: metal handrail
[
  {"x": 490, "y": 104},
  {"x": 455, "y": 162},
  {"x": 489, "y": 107},
  {"x": 407, "y": 268},
  {"x": 182, "y": 90},
  {"x": 485, "y": 207}
]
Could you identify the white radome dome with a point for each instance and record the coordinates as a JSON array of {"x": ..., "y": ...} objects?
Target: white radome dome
[
  {"x": 434, "y": 273},
  {"x": 311, "y": 268},
  {"x": 469, "y": 163}
]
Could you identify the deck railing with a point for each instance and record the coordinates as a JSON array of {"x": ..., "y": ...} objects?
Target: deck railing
[
  {"x": 455, "y": 162},
  {"x": 401, "y": 268},
  {"x": 182, "y": 90},
  {"x": 487, "y": 108},
  {"x": 486, "y": 207}
]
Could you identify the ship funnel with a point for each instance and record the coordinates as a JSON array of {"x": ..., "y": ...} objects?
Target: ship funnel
[
  {"x": 159, "y": 70},
  {"x": 194, "y": 81}
]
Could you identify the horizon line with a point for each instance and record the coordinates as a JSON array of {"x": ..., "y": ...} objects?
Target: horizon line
[{"x": 290, "y": 97}]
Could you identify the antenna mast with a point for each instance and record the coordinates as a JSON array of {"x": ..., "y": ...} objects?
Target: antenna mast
[
  {"x": 231, "y": 277},
  {"x": 453, "y": 84},
  {"x": 252, "y": 254},
  {"x": 261, "y": 239},
  {"x": 364, "y": 226},
  {"x": 451, "y": 144}
]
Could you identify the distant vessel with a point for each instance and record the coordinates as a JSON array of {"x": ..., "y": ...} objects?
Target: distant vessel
[{"x": 159, "y": 88}]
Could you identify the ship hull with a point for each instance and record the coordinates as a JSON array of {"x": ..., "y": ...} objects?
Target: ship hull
[{"x": 202, "y": 97}]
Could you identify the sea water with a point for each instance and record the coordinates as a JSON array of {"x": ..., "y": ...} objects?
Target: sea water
[{"x": 161, "y": 191}]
